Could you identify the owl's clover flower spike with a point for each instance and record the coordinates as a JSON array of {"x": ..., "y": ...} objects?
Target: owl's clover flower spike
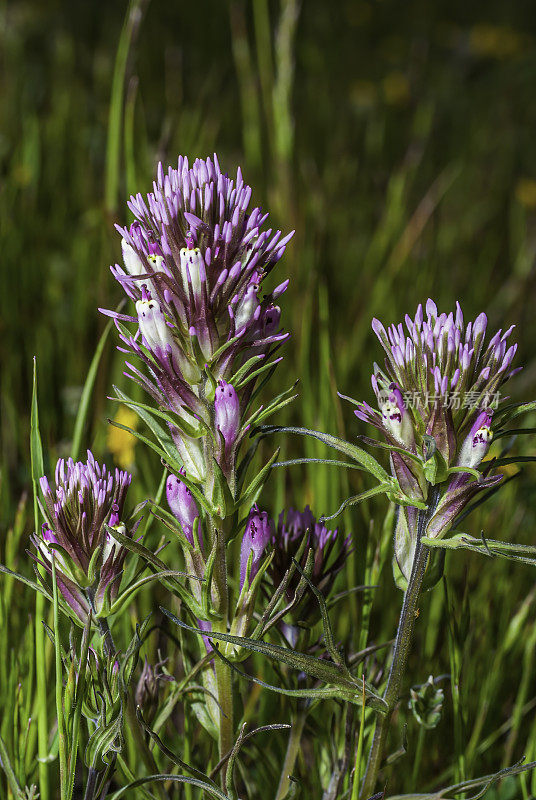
[
  {"x": 436, "y": 397},
  {"x": 89, "y": 562},
  {"x": 328, "y": 550},
  {"x": 194, "y": 261}
]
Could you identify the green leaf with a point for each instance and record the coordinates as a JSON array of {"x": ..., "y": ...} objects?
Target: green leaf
[
  {"x": 76, "y": 710},
  {"x": 321, "y": 693},
  {"x": 329, "y": 639},
  {"x": 513, "y": 432},
  {"x": 501, "y": 462},
  {"x": 87, "y": 391},
  {"x": 32, "y": 584},
  {"x": 316, "y": 667},
  {"x": 214, "y": 792},
  {"x": 172, "y": 757},
  {"x": 358, "y": 498},
  {"x": 172, "y": 419},
  {"x": 131, "y": 591},
  {"x": 36, "y": 448},
  {"x": 147, "y": 414},
  {"x": 277, "y": 404},
  {"x": 393, "y": 448},
  {"x": 328, "y": 461},
  {"x": 6, "y": 765},
  {"x": 207, "y": 585},
  {"x": 490, "y": 547},
  {"x": 360, "y": 456},
  {"x": 250, "y": 495},
  {"x": 222, "y": 499},
  {"x": 486, "y": 782},
  {"x": 174, "y": 586}
]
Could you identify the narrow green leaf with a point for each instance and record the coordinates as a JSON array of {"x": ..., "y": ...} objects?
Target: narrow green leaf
[
  {"x": 64, "y": 777},
  {"x": 36, "y": 454},
  {"x": 316, "y": 667},
  {"x": 358, "y": 498},
  {"x": 172, "y": 779},
  {"x": 36, "y": 448},
  {"x": 321, "y": 693},
  {"x": 360, "y": 456},
  {"x": 131, "y": 591},
  {"x": 328, "y": 461},
  {"x": 329, "y": 639},
  {"x": 171, "y": 419},
  {"x": 6, "y": 765},
  {"x": 87, "y": 391},
  {"x": 250, "y": 495},
  {"x": 149, "y": 557},
  {"x": 32, "y": 584}
]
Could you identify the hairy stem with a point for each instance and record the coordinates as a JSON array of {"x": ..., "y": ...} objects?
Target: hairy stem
[
  {"x": 224, "y": 678},
  {"x": 402, "y": 647},
  {"x": 91, "y": 785},
  {"x": 293, "y": 748}
]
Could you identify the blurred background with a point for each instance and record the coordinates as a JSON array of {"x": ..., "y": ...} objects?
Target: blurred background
[{"x": 398, "y": 139}]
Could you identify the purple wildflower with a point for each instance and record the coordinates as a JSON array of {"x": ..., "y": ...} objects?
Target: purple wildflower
[
  {"x": 194, "y": 262},
  {"x": 436, "y": 397},
  {"x": 183, "y": 506},
  {"x": 89, "y": 562},
  {"x": 258, "y": 534},
  {"x": 227, "y": 412},
  {"x": 329, "y": 551}
]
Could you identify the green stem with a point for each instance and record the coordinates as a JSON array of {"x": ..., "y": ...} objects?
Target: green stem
[
  {"x": 291, "y": 755},
  {"x": 59, "y": 689},
  {"x": 401, "y": 650},
  {"x": 41, "y": 681},
  {"x": 223, "y": 674}
]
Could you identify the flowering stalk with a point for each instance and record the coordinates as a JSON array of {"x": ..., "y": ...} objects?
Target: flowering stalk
[
  {"x": 88, "y": 562},
  {"x": 401, "y": 650},
  {"x": 437, "y": 397},
  {"x": 194, "y": 261},
  {"x": 321, "y": 554},
  {"x": 77, "y": 549}
]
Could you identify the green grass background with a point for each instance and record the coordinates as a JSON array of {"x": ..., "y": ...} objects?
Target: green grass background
[{"x": 398, "y": 139}]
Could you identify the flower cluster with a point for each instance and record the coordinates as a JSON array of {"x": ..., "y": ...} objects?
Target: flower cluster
[
  {"x": 299, "y": 536},
  {"x": 88, "y": 562},
  {"x": 432, "y": 439},
  {"x": 194, "y": 262}
]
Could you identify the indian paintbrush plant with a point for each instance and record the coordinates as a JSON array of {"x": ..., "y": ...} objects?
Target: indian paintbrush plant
[{"x": 239, "y": 606}]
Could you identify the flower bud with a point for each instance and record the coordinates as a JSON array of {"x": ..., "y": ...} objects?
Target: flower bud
[
  {"x": 271, "y": 320},
  {"x": 227, "y": 412},
  {"x": 183, "y": 505},
  {"x": 146, "y": 696},
  {"x": 247, "y": 306},
  {"x": 258, "y": 533}
]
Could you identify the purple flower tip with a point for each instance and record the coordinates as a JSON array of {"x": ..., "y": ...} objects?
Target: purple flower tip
[
  {"x": 182, "y": 504},
  {"x": 227, "y": 412},
  {"x": 259, "y": 532}
]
